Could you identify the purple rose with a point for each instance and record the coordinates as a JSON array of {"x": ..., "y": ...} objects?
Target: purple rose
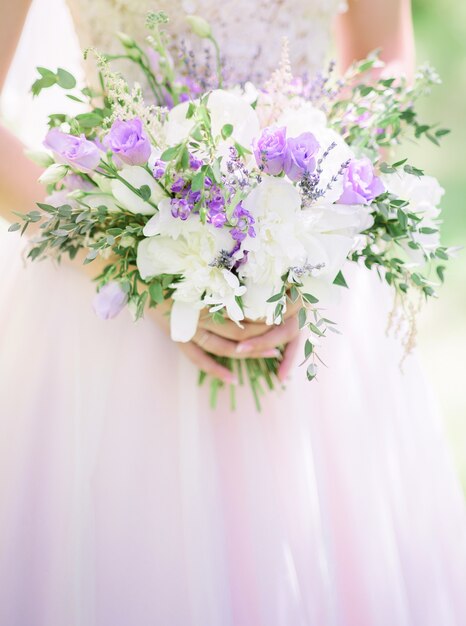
[
  {"x": 300, "y": 156},
  {"x": 270, "y": 150},
  {"x": 128, "y": 141},
  {"x": 360, "y": 184},
  {"x": 110, "y": 300},
  {"x": 79, "y": 152}
]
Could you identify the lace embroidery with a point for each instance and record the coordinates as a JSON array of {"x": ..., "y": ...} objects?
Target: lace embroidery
[{"x": 249, "y": 32}]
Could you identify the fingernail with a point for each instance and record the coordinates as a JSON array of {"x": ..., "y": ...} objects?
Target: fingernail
[
  {"x": 231, "y": 380},
  {"x": 243, "y": 347},
  {"x": 272, "y": 353}
]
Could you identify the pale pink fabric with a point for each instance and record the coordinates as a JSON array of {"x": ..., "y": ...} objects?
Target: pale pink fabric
[{"x": 125, "y": 500}]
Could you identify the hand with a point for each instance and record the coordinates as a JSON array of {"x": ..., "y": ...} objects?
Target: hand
[
  {"x": 286, "y": 334},
  {"x": 228, "y": 340}
]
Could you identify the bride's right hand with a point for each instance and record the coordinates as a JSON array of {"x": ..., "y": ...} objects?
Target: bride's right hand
[{"x": 220, "y": 339}]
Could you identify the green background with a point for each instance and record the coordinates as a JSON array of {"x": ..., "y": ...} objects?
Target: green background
[{"x": 440, "y": 30}]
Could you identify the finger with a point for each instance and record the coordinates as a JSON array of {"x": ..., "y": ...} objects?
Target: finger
[
  {"x": 289, "y": 359},
  {"x": 279, "y": 335},
  {"x": 224, "y": 347},
  {"x": 207, "y": 364},
  {"x": 230, "y": 330}
]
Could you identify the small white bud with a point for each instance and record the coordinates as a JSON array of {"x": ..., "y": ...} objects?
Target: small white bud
[
  {"x": 53, "y": 174},
  {"x": 39, "y": 157},
  {"x": 127, "y": 241},
  {"x": 128, "y": 42},
  {"x": 199, "y": 26}
]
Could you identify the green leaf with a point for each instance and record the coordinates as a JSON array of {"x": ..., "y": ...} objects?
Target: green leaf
[
  {"x": 65, "y": 79},
  {"x": 294, "y": 294},
  {"x": 302, "y": 318},
  {"x": 91, "y": 255},
  {"x": 410, "y": 169},
  {"x": 197, "y": 182},
  {"x": 191, "y": 110},
  {"x": 310, "y": 298},
  {"x": 340, "y": 280},
  {"x": 227, "y": 131},
  {"x": 399, "y": 163},
  {"x": 311, "y": 371},
  {"x": 14, "y": 227},
  {"x": 316, "y": 330},
  {"x": 185, "y": 159},
  {"x": 42, "y": 83},
  {"x": 114, "y": 231},
  {"x": 386, "y": 169},
  {"x": 308, "y": 348},
  {"x": 425, "y": 230},
  {"x": 276, "y": 297},
  {"x": 402, "y": 219},
  {"x": 145, "y": 192},
  {"x": 43, "y": 71},
  {"x": 156, "y": 292},
  {"x": 74, "y": 98},
  {"x": 171, "y": 153},
  {"x": 88, "y": 120},
  {"x": 440, "y": 269}
]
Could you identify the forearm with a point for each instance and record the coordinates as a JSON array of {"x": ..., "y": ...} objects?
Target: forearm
[
  {"x": 19, "y": 189},
  {"x": 377, "y": 24}
]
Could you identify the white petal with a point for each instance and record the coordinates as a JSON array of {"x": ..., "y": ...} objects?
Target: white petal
[
  {"x": 184, "y": 318},
  {"x": 137, "y": 177},
  {"x": 160, "y": 255}
]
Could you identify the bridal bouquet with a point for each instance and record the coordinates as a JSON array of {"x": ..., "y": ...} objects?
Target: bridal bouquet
[{"x": 233, "y": 199}]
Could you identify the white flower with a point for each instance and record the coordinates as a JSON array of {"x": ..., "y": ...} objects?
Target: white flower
[
  {"x": 255, "y": 302},
  {"x": 344, "y": 219},
  {"x": 137, "y": 177},
  {"x": 192, "y": 255},
  {"x": 302, "y": 119},
  {"x": 41, "y": 158},
  {"x": 422, "y": 192},
  {"x": 276, "y": 206},
  {"x": 288, "y": 237},
  {"x": 101, "y": 199},
  {"x": 424, "y": 195},
  {"x": 53, "y": 174},
  {"x": 163, "y": 223},
  {"x": 224, "y": 108}
]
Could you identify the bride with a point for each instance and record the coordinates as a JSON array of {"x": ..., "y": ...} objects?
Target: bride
[{"x": 125, "y": 500}]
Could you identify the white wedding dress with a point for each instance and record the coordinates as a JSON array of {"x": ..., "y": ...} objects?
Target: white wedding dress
[{"x": 126, "y": 501}]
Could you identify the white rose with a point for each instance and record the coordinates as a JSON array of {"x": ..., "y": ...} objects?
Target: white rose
[{"x": 137, "y": 177}]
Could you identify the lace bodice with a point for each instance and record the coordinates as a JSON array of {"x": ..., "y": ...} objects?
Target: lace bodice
[{"x": 249, "y": 31}]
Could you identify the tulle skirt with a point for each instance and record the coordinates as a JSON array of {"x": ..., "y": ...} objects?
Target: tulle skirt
[{"x": 126, "y": 500}]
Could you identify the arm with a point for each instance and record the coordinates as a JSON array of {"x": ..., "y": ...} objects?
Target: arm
[
  {"x": 377, "y": 24},
  {"x": 19, "y": 188}
]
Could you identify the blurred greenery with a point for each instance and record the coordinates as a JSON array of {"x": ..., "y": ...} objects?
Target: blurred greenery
[{"x": 440, "y": 30}]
